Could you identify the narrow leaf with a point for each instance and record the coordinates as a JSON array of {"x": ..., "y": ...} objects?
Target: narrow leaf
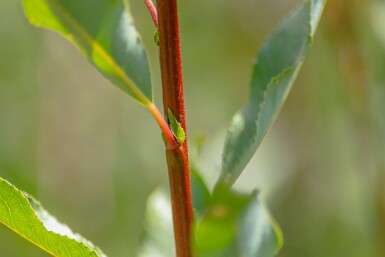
[
  {"x": 25, "y": 216},
  {"x": 236, "y": 225},
  {"x": 104, "y": 31},
  {"x": 176, "y": 128},
  {"x": 275, "y": 69}
]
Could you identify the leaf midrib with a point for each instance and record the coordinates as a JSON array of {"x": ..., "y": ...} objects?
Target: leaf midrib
[
  {"x": 14, "y": 228},
  {"x": 292, "y": 68},
  {"x": 29, "y": 239}
]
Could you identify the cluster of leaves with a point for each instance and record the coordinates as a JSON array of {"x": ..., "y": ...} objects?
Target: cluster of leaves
[{"x": 226, "y": 223}]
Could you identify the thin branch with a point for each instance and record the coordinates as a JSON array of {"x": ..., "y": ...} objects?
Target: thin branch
[{"x": 173, "y": 99}]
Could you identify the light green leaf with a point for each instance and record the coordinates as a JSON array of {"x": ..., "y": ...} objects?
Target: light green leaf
[
  {"x": 176, "y": 128},
  {"x": 104, "y": 31},
  {"x": 26, "y": 217},
  {"x": 275, "y": 69},
  {"x": 158, "y": 238},
  {"x": 156, "y": 36},
  {"x": 237, "y": 225}
]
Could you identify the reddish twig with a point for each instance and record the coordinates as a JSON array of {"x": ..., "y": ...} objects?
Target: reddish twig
[
  {"x": 153, "y": 12},
  {"x": 173, "y": 99}
]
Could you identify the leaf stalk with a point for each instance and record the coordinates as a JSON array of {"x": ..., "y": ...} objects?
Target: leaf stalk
[
  {"x": 152, "y": 10},
  {"x": 170, "y": 140}
]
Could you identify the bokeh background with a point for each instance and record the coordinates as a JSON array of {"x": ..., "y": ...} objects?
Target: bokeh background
[{"x": 92, "y": 155}]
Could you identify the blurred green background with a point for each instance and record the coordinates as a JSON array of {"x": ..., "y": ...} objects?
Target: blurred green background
[{"x": 92, "y": 155}]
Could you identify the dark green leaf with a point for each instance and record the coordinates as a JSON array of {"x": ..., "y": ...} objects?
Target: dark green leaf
[
  {"x": 233, "y": 225},
  {"x": 275, "y": 69},
  {"x": 200, "y": 193},
  {"x": 217, "y": 231},
  {"x": 104, "y": 32},
  {"x": 25, "y": 216},
  {"x": 236, "y": 225}
]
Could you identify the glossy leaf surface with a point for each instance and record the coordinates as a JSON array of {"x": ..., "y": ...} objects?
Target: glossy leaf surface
[
  {"x": 274, "y": 71},
  {"x": 25, "y": 216},
  {"x": 104, "y": 31}
]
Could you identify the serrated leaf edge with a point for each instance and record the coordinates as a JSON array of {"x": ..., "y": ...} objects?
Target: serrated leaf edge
[
  {"x": 296, "y": 67},
  {"x": 83, "y": 241}
]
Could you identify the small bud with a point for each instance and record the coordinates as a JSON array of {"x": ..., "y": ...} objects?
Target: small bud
[{"x": 156, "y": 36}]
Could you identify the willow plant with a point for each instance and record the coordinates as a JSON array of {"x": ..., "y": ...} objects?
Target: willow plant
[{"x": 205, "y": 222}]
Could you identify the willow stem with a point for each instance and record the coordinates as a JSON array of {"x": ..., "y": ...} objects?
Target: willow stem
[{"x": 173, "y": 99}]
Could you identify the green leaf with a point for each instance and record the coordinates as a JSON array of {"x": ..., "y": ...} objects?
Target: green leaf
[
  {"x": 237, "y": 225},
  {"x": 274, "y": 71},
  {"x": 158, "y": 238},
  {"x": 26, "y": 217},
  {"x": 176, "y": 128},
  {"x": 226, "y": 225},
  {"x": 200, "y": 193},
  {"x": 104, "y": 31}
]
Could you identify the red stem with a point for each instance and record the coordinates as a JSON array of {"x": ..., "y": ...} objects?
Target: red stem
[
  {"x": 153, "y": 12},
  {"x": 173, "y": 99}
]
